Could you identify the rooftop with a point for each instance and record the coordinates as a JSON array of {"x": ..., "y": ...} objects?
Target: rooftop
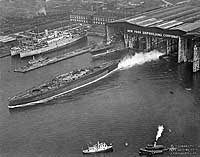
[{"x": 182, "y": 18}]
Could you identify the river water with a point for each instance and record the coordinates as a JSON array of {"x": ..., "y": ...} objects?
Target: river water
[{"x": 125, "y": 107}]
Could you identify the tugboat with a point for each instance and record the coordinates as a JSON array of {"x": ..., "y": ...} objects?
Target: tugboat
[
  {"x": 98, "y": 148},
  {"x": 151, "y": 149}
]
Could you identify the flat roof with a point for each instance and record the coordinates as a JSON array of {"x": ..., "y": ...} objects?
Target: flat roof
[{"x": 184, "y": 18}]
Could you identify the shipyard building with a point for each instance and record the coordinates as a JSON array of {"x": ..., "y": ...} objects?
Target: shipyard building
[{"x": 172, "y": 30}]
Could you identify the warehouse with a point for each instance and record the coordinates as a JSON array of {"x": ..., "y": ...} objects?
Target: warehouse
[{"x": 173, "y": 30}]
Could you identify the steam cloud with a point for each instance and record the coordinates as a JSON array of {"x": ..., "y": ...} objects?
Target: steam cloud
[{"x": 138, "y": 59}]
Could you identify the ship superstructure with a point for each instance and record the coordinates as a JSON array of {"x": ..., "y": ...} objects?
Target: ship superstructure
[{"x": 33, "y": 43}]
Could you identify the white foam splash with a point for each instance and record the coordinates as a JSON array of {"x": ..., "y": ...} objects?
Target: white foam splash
[{"x": 138, "y": 59}]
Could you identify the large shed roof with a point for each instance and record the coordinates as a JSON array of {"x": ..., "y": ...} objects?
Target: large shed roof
[{"x": 180, "y": 17}]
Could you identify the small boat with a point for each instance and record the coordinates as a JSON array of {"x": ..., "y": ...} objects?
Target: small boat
[
  {"x": 34, "y": 61},
  {"x": 100, "y": 147},
  {"x": 151, "y": 149}
]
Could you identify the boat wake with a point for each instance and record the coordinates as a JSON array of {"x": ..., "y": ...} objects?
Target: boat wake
[{"x": 138, "y": 59}]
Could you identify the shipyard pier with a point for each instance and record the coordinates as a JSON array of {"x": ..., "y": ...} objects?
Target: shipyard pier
[{"x": 172, "y": 30}]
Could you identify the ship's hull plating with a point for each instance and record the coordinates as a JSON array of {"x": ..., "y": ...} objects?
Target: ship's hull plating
[
  {"x": 80, "y": 83},
  {"x": 52, "y": 47}
]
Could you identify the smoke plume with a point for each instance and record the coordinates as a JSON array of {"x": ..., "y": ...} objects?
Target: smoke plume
[{"x": 159, "y": 133}]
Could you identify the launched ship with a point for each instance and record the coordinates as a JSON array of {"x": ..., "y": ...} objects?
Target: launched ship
[
  {"x": 31, "y": 43},
  {"x": 62, "y": 84},
  {"x": 100, "y": 147}
]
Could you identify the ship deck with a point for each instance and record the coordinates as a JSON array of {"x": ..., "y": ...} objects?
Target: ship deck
[{"x": 53, "y": 60}]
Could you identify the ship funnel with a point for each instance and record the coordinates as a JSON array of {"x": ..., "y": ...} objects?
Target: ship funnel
[{"x": 46, "y": 32}]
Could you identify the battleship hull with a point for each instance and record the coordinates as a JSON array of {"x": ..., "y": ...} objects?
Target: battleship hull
[
  {"x": 54, "y": 46},
  {"x": 84, "y": 81}
]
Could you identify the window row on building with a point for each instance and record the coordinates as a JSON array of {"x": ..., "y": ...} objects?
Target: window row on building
[
  {"x": 91, "y": 19},
  {"x": 102, "y": 20}
]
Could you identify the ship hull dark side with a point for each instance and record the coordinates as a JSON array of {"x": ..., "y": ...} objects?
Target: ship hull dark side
[{"x": 69, "y": 87}]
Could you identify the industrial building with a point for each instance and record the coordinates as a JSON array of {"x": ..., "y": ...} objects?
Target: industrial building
[{"x": 173, "y": 30}]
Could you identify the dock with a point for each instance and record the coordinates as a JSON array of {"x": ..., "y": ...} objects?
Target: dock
[{"x": 52, "y": 60}]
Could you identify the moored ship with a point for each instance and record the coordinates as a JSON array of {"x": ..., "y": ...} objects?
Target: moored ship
[
  {"x": 54, "y": 45},
  {"x": 62, "y": 84},
  {"x": 31, "y": 43}
]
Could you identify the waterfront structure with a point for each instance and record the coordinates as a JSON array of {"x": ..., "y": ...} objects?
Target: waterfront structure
[{"x": 172, "y": 30}]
